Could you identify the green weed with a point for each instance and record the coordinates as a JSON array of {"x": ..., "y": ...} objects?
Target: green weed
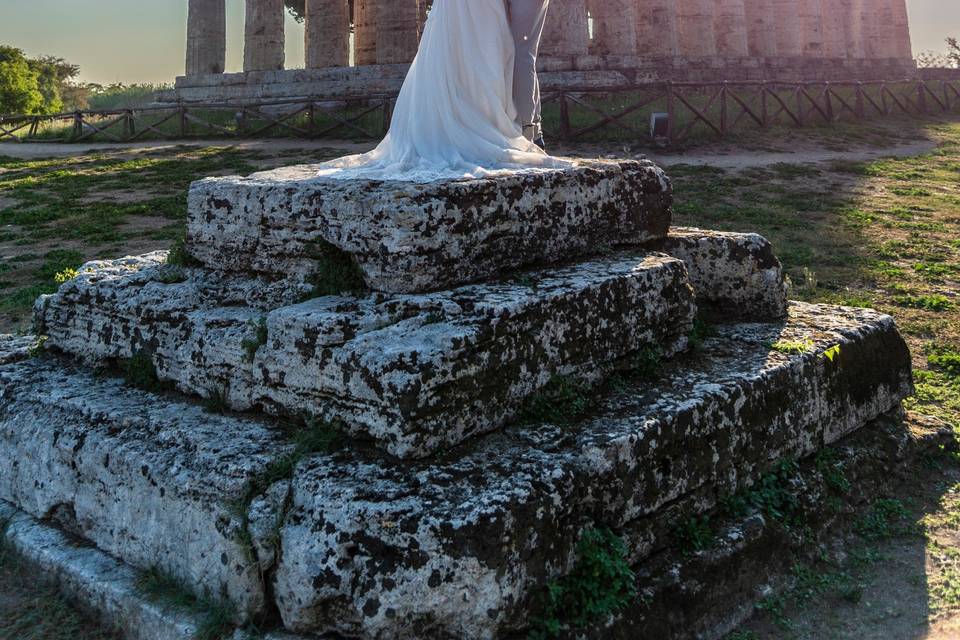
[
  {"x": 562, "y": 401},
  {"x": 600, "y": 583}
]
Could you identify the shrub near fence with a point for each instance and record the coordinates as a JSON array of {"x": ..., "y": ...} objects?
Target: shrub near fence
[{"x": 588, "y": 114}]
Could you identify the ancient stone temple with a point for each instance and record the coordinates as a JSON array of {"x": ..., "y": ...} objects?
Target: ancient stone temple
[
  {"x": 393, "y": 410},
  {"x": 594, "y": 43}
]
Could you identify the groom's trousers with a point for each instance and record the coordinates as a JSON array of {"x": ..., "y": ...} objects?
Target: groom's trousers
[{"x": 526, "y": 22}]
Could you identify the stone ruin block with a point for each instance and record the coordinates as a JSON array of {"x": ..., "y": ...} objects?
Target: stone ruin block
[
  {"x": 422, "y": 237},
  {"x": 416, "y": 373},
  {"x": 368, "y": 546}
]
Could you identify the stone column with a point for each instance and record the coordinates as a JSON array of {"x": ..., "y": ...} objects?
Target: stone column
[
  {"x": 833, "y": 19},
  {"x": 788, "y": 28},
  {"x": 885, "y": 36},
  {"x": 365, "y": 31},
  {"x": 656, "y": 28},
  {"x": 761, "y": 28},
  {"x": 206, "y": 37},
  {"x": 567, "y": 31},
  {"x": 263, "y": 35},
  {"x": 695, "y": 28},
  {"x": 901, "y": 28},
  {"x": 811, "y": 28},
  {"x": 327, "y": 33},
  {"x": 614, "y": 27},
  {"x": 398, "y": 29},
  {"x": 731, "y": 29}
]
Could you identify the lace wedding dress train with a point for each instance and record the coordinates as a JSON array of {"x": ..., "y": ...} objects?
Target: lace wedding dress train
[{"x": 455, "y": 115}]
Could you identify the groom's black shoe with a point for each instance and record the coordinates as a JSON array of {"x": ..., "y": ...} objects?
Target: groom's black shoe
[{"x": 540, "y": 143}]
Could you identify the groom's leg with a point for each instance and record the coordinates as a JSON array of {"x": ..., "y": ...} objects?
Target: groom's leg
[{"x": 526, "y": 22}]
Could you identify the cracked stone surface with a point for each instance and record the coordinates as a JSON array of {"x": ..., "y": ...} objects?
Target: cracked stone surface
[
  {"x": 734, "y": 275},
  {"x": 455, "y": 548},
  {"x": 145, "y": 478},
  {"x": 375, "y": 547},
  {"x": 15, "y": 348},
  {"x": 413, "y": 238},
  {"x": 416, "y": 373}
]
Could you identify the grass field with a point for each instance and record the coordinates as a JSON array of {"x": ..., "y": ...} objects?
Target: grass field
[{"x": 884, "y": 234}]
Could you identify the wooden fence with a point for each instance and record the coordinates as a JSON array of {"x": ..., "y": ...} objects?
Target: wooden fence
[{"x": 623, "y": 113}]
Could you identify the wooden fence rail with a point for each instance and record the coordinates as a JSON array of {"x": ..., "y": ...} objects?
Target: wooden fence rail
[{"x": 690, "y": 109}]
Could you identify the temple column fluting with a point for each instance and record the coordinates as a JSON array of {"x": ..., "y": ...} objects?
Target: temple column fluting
[
  {"x": 614, "y": 27},
  {"x": 730, "y": 27},
  {"x": 263, "y": 47},
  {"x": 811, "y": 28},
  {"x": 885, "y": 40},
  {"x": 365, "y": 31},
  {"x": 656, "y": 28},
  {"x": 695, "y": 28},
  {"x": 398, "y": 30},
  {"x": 327, "y": 33},
  {"x": 761, "y": 28},
  {"x": 206, "y": 37},
  {"x": 567, "y": 31},
  {"x": 901, "y": 28},
  {"x": 787, "y": 16},
  {"x": 833, "y": 20}
]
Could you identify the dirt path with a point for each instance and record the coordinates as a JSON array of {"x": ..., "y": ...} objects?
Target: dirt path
[{"x": 716, "y": 156}]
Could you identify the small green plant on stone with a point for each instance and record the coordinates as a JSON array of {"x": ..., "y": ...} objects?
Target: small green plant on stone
[
  {"x": 140, "y": 372},
  {"x": 217, "y": 401},
  {"x": 216, "y": 618},
  {"x": 600, "y": 584},
  {"x": 179, "y": 256},
  {"x": 831, "y": 353},
  {"x": 792, "y": 347},
  {"x": 694, "y": 534},
  {"x": 886, "y": 518},
  {"x": 252, "y": 345},
  {"x": 38, "y": 349},
  {"x": 337, "y": 272},
  {"x": 645, "y": 364},
  {"x": 772, "y": 495},
  {"x": 701, "y": 332},
  {"x": 829, "y": 466},
  {"x": 171, "y": 274},
  {"x": 313, "y": 437},
  {"x": 562, "y": 401},
  {"x": 65, "y": 276}
]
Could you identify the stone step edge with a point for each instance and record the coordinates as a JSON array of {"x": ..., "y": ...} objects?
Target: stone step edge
[{"x": 100, "y": 584}]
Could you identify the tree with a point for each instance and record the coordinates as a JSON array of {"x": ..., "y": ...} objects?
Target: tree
[
  {"x": 19, "y": 84},
  {"x": 931, "y": 60},
  {"x": 953, "y": 51}
]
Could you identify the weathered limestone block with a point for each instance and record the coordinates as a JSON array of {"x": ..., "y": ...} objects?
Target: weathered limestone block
[
  {"x": 206, "y": 37},
  {"x": 834, "y": 20},
  {"x": 374, "y": 547},
  {"x": 327, "y": 33},
  {"x": 455, "y": 548},
  {"x": 151, "y": 481},
  {"x": 16, "y": 348},
  {"x": 414, "y": 372},
  {"x": 263, "y": 47},
  {"x": 733, "y": 275},
  {"x": 811, "y": 28},
  {"x": 418, "y": 237},
  {"x": 100, "y": 583}
]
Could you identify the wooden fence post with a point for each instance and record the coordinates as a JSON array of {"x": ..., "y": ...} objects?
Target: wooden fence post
[
  {"x": 723, "y": 109},
  {"x": 922, "y": 96},
  {"x": 182, "y": 113},
  {"x": 564, "y": 117},
  {"x": 765, "y": 113},
  {"x": 671, "y": 112},
  {"x": 860, "y": 109}
]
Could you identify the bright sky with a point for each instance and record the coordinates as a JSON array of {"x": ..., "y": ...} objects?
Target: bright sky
[{"x": 143, "y": 40}]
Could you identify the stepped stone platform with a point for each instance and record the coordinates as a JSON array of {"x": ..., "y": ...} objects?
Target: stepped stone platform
[
  {"x": 421, "y": 237},
  {"x": 415, "y": 373},
  {"x": 524, "y": 365},
  {"x": 455, "y": 546}
]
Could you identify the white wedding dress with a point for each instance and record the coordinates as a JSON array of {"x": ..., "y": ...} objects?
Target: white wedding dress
[{"x": 455, "y": 115}]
